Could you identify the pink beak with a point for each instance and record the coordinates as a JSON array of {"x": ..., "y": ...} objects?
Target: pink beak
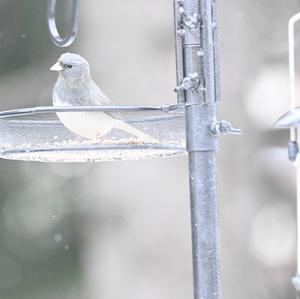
[{"x": 57, "y": 67}]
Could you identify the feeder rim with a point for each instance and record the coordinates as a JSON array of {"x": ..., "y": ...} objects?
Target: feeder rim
[
  {"x": 47, "y": 109},
  {"x": 27, "y": 150}
]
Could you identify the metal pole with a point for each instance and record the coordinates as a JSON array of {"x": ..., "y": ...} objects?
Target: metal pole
[
  {"x": 294, "y": 136},
  {"x": 200, "y": 85},
  {"x": 293, "y": 145}
]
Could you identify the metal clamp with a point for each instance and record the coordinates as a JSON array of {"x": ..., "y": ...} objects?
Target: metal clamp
[
  {"x": 223, "y": 127},
  {"x": 190, "y": 21},
  {"x": 293, "y": 151},
  {"x": 55, "y": 36},
  {"x": 190, "y": 82}
]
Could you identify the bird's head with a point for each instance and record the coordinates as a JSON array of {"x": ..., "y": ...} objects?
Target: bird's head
[{"x": 72, "y": 67}]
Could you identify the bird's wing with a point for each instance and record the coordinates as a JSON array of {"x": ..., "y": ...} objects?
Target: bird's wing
[{"x": 96, "y": 96}]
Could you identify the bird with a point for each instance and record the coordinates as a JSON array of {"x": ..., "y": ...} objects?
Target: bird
[{"x": 75, "y": 87}]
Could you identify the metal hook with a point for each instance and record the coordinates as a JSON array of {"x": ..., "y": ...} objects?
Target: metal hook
[{"x": 55, "y": 36}]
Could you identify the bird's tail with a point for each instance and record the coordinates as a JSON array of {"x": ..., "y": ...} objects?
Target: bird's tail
[{"x": 141, "y": 136}]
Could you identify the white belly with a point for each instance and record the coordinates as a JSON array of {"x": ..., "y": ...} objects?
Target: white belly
[{"x": 89, "y": 125}]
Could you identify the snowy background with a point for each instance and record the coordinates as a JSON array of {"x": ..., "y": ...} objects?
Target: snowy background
[{"x": 122, "y": 229}]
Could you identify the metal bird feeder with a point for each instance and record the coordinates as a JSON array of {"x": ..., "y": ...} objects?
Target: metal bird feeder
[
  {"x": 37, "y": 134},
  {"x": 291, "y": 121},
  {"x": 189, "y": 127}
]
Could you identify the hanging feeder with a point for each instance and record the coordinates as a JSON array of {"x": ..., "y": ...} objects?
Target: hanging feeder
[{"x": 291, "y": 120}]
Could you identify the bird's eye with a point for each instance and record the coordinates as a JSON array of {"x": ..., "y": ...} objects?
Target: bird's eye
[{"x": 69, "y": 66}]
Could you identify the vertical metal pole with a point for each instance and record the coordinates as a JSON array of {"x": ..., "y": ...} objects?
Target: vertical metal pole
[
  {"x": 294, "y": 137},
  {"x": 200, "y": 57},
  {"x": 293, "y": 143}
]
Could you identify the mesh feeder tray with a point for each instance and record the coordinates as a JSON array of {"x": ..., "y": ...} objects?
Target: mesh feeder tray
[{"x": 38, "y": 134}]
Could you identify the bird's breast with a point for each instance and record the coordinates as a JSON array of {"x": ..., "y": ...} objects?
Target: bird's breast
[{"x": 89, "y": 125}]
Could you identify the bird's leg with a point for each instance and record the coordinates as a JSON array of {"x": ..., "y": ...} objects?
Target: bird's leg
[
  {"x": 80, "y": 139},
  {"x": 98, "y": 138}
]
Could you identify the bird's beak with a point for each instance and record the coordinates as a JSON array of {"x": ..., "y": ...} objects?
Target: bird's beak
[{"x": 57, "y": 67}]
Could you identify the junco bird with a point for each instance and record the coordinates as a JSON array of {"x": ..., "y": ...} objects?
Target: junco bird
[{"x": 75, "y": 87}]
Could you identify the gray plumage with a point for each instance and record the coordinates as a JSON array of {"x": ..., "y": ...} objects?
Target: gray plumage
[{"x": 75, "y": 87}]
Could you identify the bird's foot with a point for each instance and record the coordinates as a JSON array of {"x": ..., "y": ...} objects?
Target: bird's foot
[
  {"x": 97, "y": 139},
  {"x": 80, "y": 139}
]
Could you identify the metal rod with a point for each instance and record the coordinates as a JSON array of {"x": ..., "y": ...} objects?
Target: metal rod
[
  {"x": 298, "y": 220},
  {"x": 93, "y": 147},
  {"x": 293, "y": 132},
  {"x": 52, "y": 109},
  {"x": 200, "y": 58},
  {"x": 296, "y": 278},
  {"x": 293, "y": 143},
  {"x": 204, "y": 232},
  {"x": 292, "y": 22},
  {"x": 291, "y": 28}
]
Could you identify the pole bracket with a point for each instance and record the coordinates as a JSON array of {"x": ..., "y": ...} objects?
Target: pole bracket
[
  {"x": 191, "y": 82},
  {"x": 223, "y": 127},
  {"x": 191, "y": 21}
]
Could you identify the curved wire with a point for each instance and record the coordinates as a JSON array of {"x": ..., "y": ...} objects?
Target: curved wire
[{"x": 55, "y": 36}]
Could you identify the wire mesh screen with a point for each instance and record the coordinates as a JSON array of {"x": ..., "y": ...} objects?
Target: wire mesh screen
[{"x": 80, "y": 134}]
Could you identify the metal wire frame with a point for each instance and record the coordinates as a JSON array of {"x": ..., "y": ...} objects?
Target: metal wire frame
[
  {"x": 137, "y": 115},
  {"x": 96, "y": 147},
  {"x": 47, "y": 109}
]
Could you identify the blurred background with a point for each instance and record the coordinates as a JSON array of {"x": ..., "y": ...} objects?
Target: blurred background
[{"x": 122, "y": 229}]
